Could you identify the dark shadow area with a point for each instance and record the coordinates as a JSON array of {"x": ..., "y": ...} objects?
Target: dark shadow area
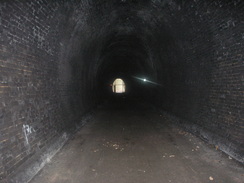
[{"x": 58, "y": 60}]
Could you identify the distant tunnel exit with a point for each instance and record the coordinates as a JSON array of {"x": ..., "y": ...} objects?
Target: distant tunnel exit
[{"x": 118, "y": 86}]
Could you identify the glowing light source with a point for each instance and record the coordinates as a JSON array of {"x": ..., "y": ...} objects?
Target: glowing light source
[
  {"x": 118, "y": 86},
  {"x": 146, "y": 81}
]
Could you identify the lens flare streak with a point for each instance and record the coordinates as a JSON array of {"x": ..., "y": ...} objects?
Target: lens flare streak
[{"x": 146, "y": 81}]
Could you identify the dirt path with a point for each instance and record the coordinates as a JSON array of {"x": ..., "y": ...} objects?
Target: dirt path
[{"x": 131, "y": 143}]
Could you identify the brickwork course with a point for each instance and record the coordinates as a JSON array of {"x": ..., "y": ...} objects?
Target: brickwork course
[{"x": 56, "y": 55}]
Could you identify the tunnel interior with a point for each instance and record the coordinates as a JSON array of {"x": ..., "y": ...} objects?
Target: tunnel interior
[{"x": 59, "y": 58}]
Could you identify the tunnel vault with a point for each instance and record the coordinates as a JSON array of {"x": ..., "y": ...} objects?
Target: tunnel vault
[{"x": 57, "y": 55}]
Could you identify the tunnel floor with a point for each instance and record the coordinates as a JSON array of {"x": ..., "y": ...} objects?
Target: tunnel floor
[{"x": 129, "y": 142}]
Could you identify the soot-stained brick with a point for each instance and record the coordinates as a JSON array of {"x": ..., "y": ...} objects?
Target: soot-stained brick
[{"x": 56, "y": 55}]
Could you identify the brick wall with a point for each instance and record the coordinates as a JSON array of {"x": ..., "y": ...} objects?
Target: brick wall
[
  {"x": 50, "y": 52},
  {"x": 35, "y": 49},
  {"x": 203, "y": 70}
]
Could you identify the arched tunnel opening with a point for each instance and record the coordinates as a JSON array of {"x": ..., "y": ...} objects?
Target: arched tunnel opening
[{"x": 179, "y": 119}]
